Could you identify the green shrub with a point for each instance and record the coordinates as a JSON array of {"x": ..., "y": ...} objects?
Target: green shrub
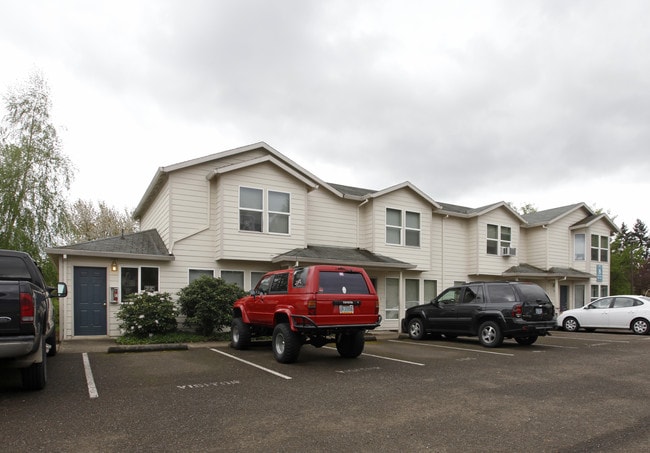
[
  {"x": 148, "y": 314},
  {"x": 207, "y": 303}
]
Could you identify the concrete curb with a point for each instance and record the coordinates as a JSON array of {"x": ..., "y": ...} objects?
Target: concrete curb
[{"x": 148, "y": 348}]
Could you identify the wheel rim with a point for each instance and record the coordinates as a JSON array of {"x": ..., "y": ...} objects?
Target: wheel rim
[
  {"x": 489, "y": 334},
  {"x": 279, "y": 344},
  {"x": 571, "y": 325},
  {"x": 640, "y": 327},
  {"x": 235, "y": 334},
  {"x": 415, "y": 329}
]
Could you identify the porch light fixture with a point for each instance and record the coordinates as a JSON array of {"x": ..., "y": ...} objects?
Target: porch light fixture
[{"x": 114, "y": 266}]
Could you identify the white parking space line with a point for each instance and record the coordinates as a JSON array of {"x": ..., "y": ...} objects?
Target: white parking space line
[
  {"x": 252, "y": 364},
  {"x": 600, "y": 340},
  {"x": 386, "y": 358},
  {"x": 480, "y": 351},
  {"x": 90, "y": 381}
]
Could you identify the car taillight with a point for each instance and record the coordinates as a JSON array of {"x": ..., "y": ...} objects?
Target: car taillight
[
  {"x": 377, "y": 306},
  {"x": 311, "y": 307},
  {"x": 517, "y": 311},
  {"x": 26, "y": 308}
]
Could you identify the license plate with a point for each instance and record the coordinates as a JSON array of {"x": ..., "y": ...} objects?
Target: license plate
[
  {"x": 538, "y": 311},
  {"x": 346, "y": 309}
]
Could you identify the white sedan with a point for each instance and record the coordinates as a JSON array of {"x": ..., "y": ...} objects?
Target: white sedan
[{"x": 613, "y": 312}]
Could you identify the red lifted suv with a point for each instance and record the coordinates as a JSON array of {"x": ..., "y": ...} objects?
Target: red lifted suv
[{"x": 316, "y": 304}]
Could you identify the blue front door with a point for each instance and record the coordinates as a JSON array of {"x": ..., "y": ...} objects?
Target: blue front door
[{"x": 89, "y": 301}]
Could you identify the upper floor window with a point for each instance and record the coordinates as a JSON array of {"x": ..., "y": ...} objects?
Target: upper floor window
[
  {"x": 599, "y": 248},
  {"x": 402, "y": 227},
  {"x": 579, "y": 247},
  {"x": 498, "y": 236},
  {"x": 253, "y": 211}
]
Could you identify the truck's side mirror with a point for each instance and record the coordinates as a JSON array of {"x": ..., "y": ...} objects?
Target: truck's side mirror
[{"x": 61, "y": 290}]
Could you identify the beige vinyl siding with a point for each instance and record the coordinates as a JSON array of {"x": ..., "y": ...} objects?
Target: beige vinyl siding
[
  {"x": 247, "y": 245},
  {"x": 454, "y": 251},
  {"x": 496, "y": 264},
  {"x": 404, "y": 200},
  {"x": 157, "y": 216},
  {"x": 560, "y": 241},
  {"x": 331, "y": 220},
  {"x": 534, "y": 245},
  {"x": 190, "y": 202}
]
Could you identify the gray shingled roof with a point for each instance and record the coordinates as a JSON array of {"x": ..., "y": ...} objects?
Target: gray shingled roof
[
  {"x": 349, "y": 190},
  {"x": 548, "y": 215},
  {"x": 340, "y": 255},
  {"x": 143, "y": 245},
  {"x": 527, "y": 270}
]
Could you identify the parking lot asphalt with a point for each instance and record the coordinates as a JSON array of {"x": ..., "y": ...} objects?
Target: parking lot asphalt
[{"x": 571, "y": 392}]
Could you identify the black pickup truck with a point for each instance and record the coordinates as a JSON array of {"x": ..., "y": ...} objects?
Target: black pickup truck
[{"x": 27, "y": 329}]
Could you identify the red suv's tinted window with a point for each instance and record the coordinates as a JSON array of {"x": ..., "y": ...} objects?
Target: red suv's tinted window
[{"x": 342, "y": 283}]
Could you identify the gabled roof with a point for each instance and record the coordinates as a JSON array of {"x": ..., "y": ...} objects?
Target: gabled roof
[
  {"x": 350, "y": 256},
  {"x": 462, "y": 211},
  {"x": 405, "y": 185},
  {"x": 548, "y": 216},
  {"x": 162, "y": 174},
  {"x": 552, "y": 215},
  {"x": 143, "y": 245}
]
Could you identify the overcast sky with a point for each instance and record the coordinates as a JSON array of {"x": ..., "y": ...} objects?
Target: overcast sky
[{"x": 530, "y": 102}]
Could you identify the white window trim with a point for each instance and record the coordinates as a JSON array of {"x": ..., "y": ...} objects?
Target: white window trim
[
  {"x": 265, "y": 211},
  {"x": 402, "y": 228}
]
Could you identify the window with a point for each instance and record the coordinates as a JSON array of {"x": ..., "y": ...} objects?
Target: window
[
  {"x": 279, "y": 212},
  {"x": 402, "y": 224},
  {"x": 236, "y": 277},
  {"x": 252, "y": 212},
  {"x": 579, "y": 293},
  {"x": 599, "y": 248},
  {"x": 393, "y": 226},
  {"x": 498, "y": 236},
  {"x": 280, "y": 283},
  {"x": 256, "y": 277},
  {"x": 392, "y": 298},
  {"x": 430, "y": 289},
  {"x": 579, "y": 247},
  {"x": 412, "y": 287},
  {"x": 135, "y": 279},
  {"x": 342, "y": 283},
  {"x": 501, "y": 293},
  {"x": 196, "y": 273},
  {"x": 251, "y": 206}
]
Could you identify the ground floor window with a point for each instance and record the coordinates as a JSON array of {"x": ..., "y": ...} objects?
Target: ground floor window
[
  {"x": 392, "y": 298},
  {"x": 255, "y": 278},
  {"x": 136, "y": 279},
  {"x": 579, "y": 296},
  {"x": 236, "y": 277},
  {"x": 412, "y": 287},
  {"x": 196, "y": 273},
  {"x": 599, "y": 291},
  {"x": 430, "y": 290}
]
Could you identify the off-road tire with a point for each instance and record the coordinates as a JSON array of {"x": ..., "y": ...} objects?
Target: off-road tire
[
  {"x": 240, "y": 334},
  {"x": 285, "y": 343},
  {"x": 350, "y": 345}
]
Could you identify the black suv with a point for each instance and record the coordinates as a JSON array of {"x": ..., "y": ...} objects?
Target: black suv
[{"x": 490, "y": 310}]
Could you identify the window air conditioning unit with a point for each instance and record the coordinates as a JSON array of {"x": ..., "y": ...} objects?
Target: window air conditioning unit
[{"x": 508, "y": 251}]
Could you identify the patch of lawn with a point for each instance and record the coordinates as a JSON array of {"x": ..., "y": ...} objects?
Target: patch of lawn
[{"x": 170, "y": 338}]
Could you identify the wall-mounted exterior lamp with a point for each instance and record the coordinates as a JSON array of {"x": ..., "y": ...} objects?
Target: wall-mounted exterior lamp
[{"x": 114, "y": 266}]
